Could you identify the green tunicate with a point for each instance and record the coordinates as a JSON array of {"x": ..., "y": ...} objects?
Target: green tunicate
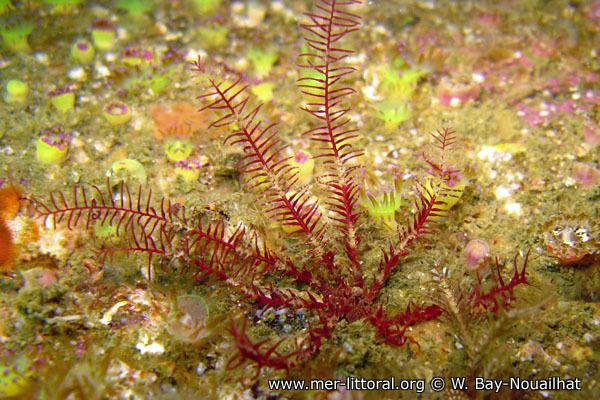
[
  {"x": 104, "y": 39},
  {"x": 83, "y": 52},
  {"x": 5, "y": 6},
  {"x": 105, "y": 230},
  {"x": 63, "y": 6},
  {"x": 383, "y": 208},
  {"x": 178, "y": 149},
  {"x": 135, "y": 7},
  {"x": 213, "y": 37},
  {"x": 16, "y": 92},
  {"x": 117, "y": 113},
  {"x": 264, "y": 91},
  {"x": 64, "y": 102},
  {"x": 128, "y": 170},
  {"x": 512, "y": 148},
  {"x": 136, "y": 61},
  {"x": 206, "y": 7},
  {"x": 187, "y": 175},
  {"x": 47, "y": 153},
  {"x": 15, "y": 37},
  {"x": 399, "y": 84},
  {"x": 159, "y": 83},
  {"x": 15, "y": 379},
  {"x": 262, "y": 61},
  {"x": 393, "y": 113},
  {"x": 155, "y": 83}
]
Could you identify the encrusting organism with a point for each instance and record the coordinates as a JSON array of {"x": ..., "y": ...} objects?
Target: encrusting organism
[
  {"x": 326, "y": 279},
  {"x": 9, "y": 207}
]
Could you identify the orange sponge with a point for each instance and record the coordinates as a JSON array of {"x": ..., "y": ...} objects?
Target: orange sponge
[
  {"x": 6, "y": 247},
  {"x": 9, "y": 207},
  {"x": 10, "y": 202}
]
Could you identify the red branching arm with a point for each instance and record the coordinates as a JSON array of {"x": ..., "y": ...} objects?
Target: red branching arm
[
  {"x": 265, "y": 353},
  {"x": 148, "y": 230},
  {"x": 264, "y": 159},
  {"x": 428, "y": 210},
  {"x": 502, "y": 293},
  {"x": 213, "y": 250},
  {"x": 254, "y": 351},
  {"x": 392, "y": 329},
  {"x": 445, "y": 139},
  {"x": 429, "y": 205},
  {"x": 164, "y": 231},
  {"x": 121, "y": 210},
  {"x": 279, "y": 298},
  {"x": 327, "y": 26}
]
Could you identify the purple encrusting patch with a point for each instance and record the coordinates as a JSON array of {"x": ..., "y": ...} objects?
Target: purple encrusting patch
[
  {"x": 116, "y": 108},
  {"x": 301, "y": 157},
  {"x": 55, "y": 137},
  {"x": 189, "y": 164},
  {"x": 61, "y": 90}
]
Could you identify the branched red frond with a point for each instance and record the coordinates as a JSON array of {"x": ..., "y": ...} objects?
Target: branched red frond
[
  {"x": 414, "y": 315},
  {"x": 317, "y": 334},
  {"x": 277, "y": 298},
  {"x": 387, "y": 265},
  {"x": 297, "y": 210},
  {"x": 392, "y": 329},
  {"x": 255, "y": 351},
  {"x": 264, "y": 159},
  {"x": 160, "y": 242},
  {"x": 154, "y": 232},
  {"x": 343, "y": 201},
  {"x": 445, "y": 140},
  {"x": 213, "y": 250},
  {"x": 323, "y": 84},
  {"x": 263, "y": 150},
  {"x": 391, "y": 332},
  {"x": 121, "y": 210},
  {"x": 428, "y": 210},
  {"x": 501, "y": 294},
  {"x": 258, "y": 258},
  {"x": 327, "y": 26},
  {"x": 287, "y": 268}
]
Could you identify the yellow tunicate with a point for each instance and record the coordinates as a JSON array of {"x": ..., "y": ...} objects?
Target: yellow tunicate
[
  {"x": 512, "y": 148},
  {"x": 16, "y": 379},
  {"x": 304, "y": 163},
  {"x": 446, "y": 195},
  {"x": 383, "y": 208}
]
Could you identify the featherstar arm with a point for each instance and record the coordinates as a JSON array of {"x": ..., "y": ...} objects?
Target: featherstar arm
[
  {"x": 327, "y": 25},
  {"x": 264, "y": 161}
]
